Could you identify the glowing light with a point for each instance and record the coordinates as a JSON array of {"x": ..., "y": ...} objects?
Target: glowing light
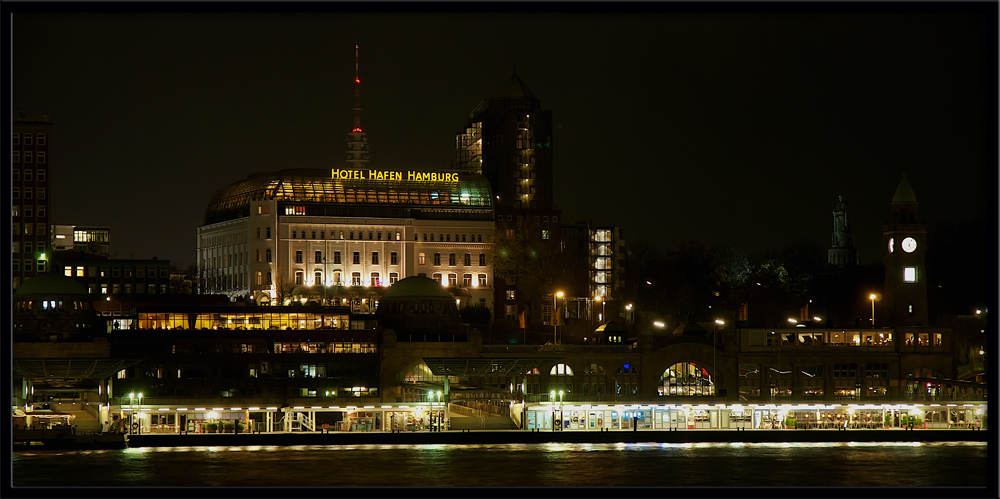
[
  {"x": 872, "y": 297},
  {"x": 720, "y": 321},
  {"x": 658, "y": 324},
  {"x": 793, "y": 321}
]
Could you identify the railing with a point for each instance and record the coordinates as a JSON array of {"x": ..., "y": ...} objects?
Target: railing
[{"x": 306, "y": 422}]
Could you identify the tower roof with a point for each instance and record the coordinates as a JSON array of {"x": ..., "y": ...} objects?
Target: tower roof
[
  {"x": 50, "y": 283},
  {"x": 904, "y": 193},
  {"x": 514, "y": 89}
]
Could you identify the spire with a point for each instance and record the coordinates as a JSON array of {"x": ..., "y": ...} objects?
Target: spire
[
  {"x": 357, "y": 140},
  {"x": 357, "y": 91},
  {"x": 842, "y": 251},
  {"x": 904, "y": 193}
]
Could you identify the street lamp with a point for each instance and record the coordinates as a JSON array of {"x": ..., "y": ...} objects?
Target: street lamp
[
  {"x": 552, "y": 399},
  {"x": 872, "y": 298},
  {"x": 560, "y": 410},
  {"x": 601, "y": 301},
  {"x": 628, "y": 313},
  {"x": 554, "y": 337},
  {"x": 715, "y": 348}
]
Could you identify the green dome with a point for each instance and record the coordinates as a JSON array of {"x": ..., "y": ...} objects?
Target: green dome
[
  {"x": 417, "y": 287},
  {"x": 904, "y": 193},
  {"x": 51, "y": 284}
]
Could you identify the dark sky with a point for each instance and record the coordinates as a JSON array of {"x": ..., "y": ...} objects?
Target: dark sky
[{"x": 740, "y": 128}]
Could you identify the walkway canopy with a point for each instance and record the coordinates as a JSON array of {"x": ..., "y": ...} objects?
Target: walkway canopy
[{"x": 448, "y": 366}]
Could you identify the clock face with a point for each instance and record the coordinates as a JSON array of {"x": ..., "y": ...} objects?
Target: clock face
[
  {"x": 890, "y": 245},
  {"x": 909, "y": 244}
]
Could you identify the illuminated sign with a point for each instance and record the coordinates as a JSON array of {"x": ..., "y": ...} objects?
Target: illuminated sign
[{"x": 411, "y": 176}]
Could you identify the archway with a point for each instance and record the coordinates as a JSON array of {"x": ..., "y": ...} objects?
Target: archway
[{"x": 686, "y": 379}]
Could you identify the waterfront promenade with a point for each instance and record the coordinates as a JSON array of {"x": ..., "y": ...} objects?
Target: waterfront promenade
[{"x": 536, "y": 437}]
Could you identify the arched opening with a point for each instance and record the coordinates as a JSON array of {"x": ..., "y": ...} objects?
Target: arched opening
[
  {"x": 686, "y": 379},
  {"x": 561, "y": 379}
]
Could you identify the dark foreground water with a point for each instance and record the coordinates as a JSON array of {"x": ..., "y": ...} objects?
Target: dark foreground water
[{"x": 533, "y": 465}]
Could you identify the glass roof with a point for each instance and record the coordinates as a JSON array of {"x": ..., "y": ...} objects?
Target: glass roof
[{"x": 318, "y": 186}]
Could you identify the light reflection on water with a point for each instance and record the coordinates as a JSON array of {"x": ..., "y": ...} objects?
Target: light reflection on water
[{"x": 534, "y": 465}]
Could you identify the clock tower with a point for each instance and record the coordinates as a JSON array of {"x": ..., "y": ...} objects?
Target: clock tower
[{"x": 904, "y": 300}]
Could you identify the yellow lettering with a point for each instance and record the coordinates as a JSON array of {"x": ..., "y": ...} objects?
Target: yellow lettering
[
  {"x": 426, "y": 177},
  {"x": 411, "y": 175}
]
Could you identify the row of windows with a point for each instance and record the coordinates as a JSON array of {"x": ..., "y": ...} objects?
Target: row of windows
[
  {"x": 520, "y": 219},
  {"x": 29, "y": 158},
  {"x": 28, "y": 173},
  {"x": 467, "y": 280},
  {"x": 422, "y": 259},
  {"x": 28, "y": 138},
  {"x": 29, "y": 229},
  {"x": 29, "y": 192},
  {"x": 28, "y": 211},
  {"x": 140, "y": 272},
  {"x": 376, "y": 279},
  {"x": 29, "y": 265},
  {"x": 446, "y": 238},
  {"x": 372, "y": 236},
  {"x": 318, "y": 257}
]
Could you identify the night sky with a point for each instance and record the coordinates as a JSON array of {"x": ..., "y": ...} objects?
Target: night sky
[{"x": 739, "y": 128}]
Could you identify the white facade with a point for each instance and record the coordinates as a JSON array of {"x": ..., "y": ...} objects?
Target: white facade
[{"x": 246, "y": 257}]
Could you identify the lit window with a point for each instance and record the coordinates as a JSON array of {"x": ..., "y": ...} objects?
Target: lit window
[
  {"x": 910, "y": 274},
  {"x": 376, "y": 281},
  {"x": 482, "y": 280},
  {"x": 545, "y": 233},
  {"x": 356, "y": 278},
  {"x": 421, "y": 259},
  {"x": 511, "y": 294},
  {"x": 452, "y": 279}
]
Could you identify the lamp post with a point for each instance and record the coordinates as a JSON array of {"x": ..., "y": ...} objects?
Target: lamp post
[
  {"x": 602, "y": 302},
  {"x": 628, "y": 313},
  {"x": 555, "y": 339},
  {"x": 715, "y": 348},
  {"x": 872, "y": 298},
  {"x": 552, "y": 399},
  {"x": 560, "y": 410}
]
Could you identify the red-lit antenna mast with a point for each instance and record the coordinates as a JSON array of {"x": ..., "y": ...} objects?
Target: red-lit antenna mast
[{"x": 357, "y": 92}]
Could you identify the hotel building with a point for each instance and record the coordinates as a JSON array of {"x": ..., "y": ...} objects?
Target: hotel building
[{"x": 318, "y": 235}]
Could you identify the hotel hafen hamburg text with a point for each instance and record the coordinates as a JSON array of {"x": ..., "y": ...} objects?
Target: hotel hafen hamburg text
[{"x": 307, "y": 234}]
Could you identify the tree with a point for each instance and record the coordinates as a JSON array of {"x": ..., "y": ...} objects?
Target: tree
[{"x": 532, "y": 266}]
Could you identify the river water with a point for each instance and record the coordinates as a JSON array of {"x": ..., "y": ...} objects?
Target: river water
[{"x": 852, "y": 464}]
